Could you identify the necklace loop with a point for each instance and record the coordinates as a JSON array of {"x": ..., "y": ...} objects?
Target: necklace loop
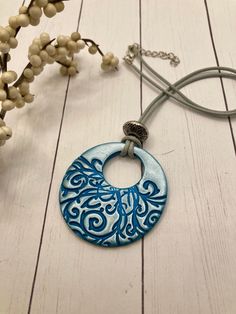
[{"x": 173, "y": 90}]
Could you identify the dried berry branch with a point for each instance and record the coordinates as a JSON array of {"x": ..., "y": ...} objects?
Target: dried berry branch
[
  {"x": 14, "y": 90},
  {"x": 94, "y": 46}
]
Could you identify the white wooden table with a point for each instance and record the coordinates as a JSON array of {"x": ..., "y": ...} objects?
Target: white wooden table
[{"x": 187, "y": 264}]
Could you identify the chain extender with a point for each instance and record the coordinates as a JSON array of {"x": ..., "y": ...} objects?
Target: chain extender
[{"x": 135, "y": 50}]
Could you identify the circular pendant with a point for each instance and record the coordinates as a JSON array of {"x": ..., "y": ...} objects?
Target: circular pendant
[{"x": 106, "y": 215}]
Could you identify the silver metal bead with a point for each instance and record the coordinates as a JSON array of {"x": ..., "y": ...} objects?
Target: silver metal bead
[{"x": 136, "y": 129}]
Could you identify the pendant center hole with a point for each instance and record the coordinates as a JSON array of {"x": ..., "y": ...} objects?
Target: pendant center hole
[{"x": 122, "y": 172}]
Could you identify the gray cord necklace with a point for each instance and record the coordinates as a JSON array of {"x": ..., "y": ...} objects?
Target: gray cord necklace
[{"x": 109, "y": 216}]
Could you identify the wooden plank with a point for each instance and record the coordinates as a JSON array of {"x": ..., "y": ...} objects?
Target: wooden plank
[
  {"x": 190, "y": 258},
  {"x": 222, "y": 19},
  {"x": 73, "y": 276},
  {"x": 26, "y": 165}
]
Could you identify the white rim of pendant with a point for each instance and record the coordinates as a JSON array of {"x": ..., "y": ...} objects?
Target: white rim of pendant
[{"x": 106, "y": 215}]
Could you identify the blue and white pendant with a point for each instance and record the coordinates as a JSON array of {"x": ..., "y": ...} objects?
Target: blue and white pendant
[{"x": 106, "y": 215}]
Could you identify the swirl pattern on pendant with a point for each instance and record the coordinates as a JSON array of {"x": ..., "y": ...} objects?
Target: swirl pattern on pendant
[{"x": 106, "y": 215}]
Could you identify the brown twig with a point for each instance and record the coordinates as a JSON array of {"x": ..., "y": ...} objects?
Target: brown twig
[
  {"x": 29, "y": 66},
  {"x": 21, "y": 78},
  {"x": 4, "y": 57},
  {"x": 87, "y": 41},
  {"x": 29, "y": 6},
  {"x": 4, "y": 62},
  {"x": 4, "y": 69},
  {"x": 2, "y": 114},
  {"x": 65, "y": 65},
  {"x": 1, "y": 64}
]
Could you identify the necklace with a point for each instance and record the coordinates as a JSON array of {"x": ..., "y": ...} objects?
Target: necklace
[{"x": 110, "y": 216}]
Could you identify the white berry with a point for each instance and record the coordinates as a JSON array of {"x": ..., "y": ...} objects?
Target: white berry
[
  {"x": 4, "y": 34},
  {"x": 75, "y": 36},
  {"x": 5, "y": 133},
  {"x": 13, "y": 92},
  {"x": 43, "y": 55},
  {"x": 93, "y": 49},
  {"x": 37, "y": 41},
  {"x": 72, "y": 71},
  {"x": 11, "y": 31},
  {"x": 13, "y": 43},
  {"x": 37, "y": 71},
  {"x": 81, "y": 44},
  {"x": 34, "y": 22},
  {"x": 50, "y": 10},
  {"x": 8, "y": 105},
  {"x": 23, "y": 9},
  {"x": 110, "y": 55},
  {"x": 50, "y": 60},
  {"x": 61, "y": 40},
  {"x": 24, "y": 88},
  {"x": 45, "y": 38},
  {"x": 9, "y": 77},
  {"x": 71, "y": 45},
  {"x": 4, "y": 47},
  {"x": 64, "y": 70},
  {"x": 62, "y": 51},
  {"x": 35, "y": 60},
  {"x": 19, "y": 103},
  {"x": 28, "y": 73},
  {"x": 106, "y": 59},
  {"x": 114, "y": 61},
  {"x": 34, "y": 49},
  {"x": 13, "y": 22},
  {"x": 23, "y": 20},
  {"x": 3, "y": 95},
  {"x": 105, "y": 67},
  {"x": 59, "y": 6},
  {"x": 29, "y": 98},
  {"x": 41, "y": 3},
  {"x": 51, "y": 50},
  {"x": 35, "y": 12},
  {"x": 2, "y": 122}
]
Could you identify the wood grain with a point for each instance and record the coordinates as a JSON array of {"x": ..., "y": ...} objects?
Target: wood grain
[
  {"x": 190, "y": 257},
  {"x": 26, "y": 165},
  {"x": 186, "y": 264},
  {"x": 223, "y": 26},
  {"x": 74, "y": 276}
]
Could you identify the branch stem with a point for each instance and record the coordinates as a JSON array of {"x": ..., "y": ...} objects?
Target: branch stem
[
  {"x": 3, "y": 62},
  {"x": 4, "y": 69},
  {"x": 87, "y": 41}
]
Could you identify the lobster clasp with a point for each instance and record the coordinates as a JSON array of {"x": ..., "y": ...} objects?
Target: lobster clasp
[{"x": 132, "y": 52}]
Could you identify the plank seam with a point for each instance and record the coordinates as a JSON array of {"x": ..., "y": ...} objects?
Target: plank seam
[
  {"x": 221, "y": 80},
  {"x": 51, "y": 180},
  {"x": 141, "y": 111}
]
